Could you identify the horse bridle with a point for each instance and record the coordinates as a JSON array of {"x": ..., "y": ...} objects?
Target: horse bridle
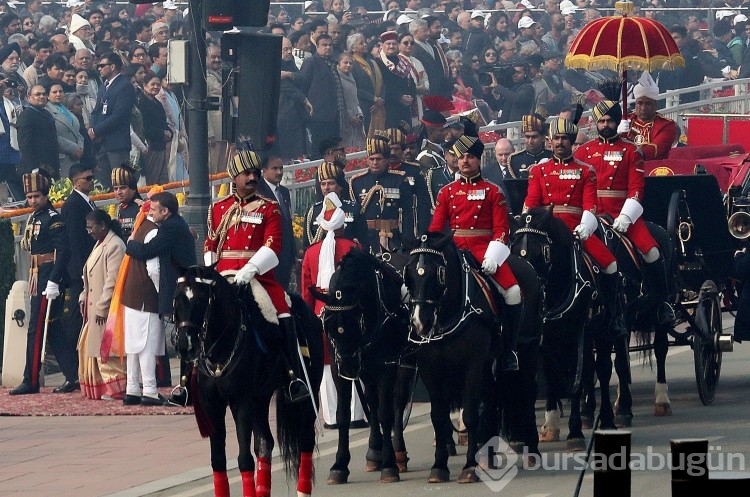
[
  {"x": 420, "y": 271},
  {"x": 527, "y": 230},
  {"x": 205, "y": 365}
]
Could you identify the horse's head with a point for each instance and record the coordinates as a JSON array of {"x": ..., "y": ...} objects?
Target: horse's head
[
  {"x": 425, "y": 277},
  {"x": 345, "y": 316},
  {"x": 192, "y": 302},
  {"x": 532, "y": 241}
]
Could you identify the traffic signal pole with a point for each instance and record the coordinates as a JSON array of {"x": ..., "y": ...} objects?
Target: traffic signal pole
[{"x": 199, "y": 200}]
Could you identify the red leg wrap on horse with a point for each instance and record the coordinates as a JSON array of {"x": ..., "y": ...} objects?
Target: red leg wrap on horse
[
  {"x": 304, "y": 483},
  {"x": 221, "y": 484},
  {"x": 263, "y": 480},
  {"x": 248, "y": 483}
]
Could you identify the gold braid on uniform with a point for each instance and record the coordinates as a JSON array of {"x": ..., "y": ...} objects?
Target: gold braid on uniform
[
  {"x": 368, "y": 198},
  {"x": 312, "y": 238},
  {"x": 223, "y": 229},
  {"x": 28, "y": 234}
]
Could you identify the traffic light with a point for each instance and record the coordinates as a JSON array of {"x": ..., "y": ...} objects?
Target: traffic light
[
  {"x": 221, "y": 15},
  {"x": 257, "y": 81}
]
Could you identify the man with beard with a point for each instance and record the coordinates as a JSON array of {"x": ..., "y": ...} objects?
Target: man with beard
[
  {"x": 10, "y": 55},
  {"x": 125, "y": 187},
  {"x": 533, "y": 129},
  {"x": 332, "y": 150},
  {"x": 385, "y": 197},
  {"x": 330, "y": 179},
  {"x": 294, "y": 108},
  {"x": 417, "y": 183},
  {"x": 619, "y": 170},
  {"x": 426, "y": 33},
  {"x": 244, "y": 240}
]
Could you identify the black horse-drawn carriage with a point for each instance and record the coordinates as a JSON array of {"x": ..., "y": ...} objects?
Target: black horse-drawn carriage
[{"x": 693, "y": 211}]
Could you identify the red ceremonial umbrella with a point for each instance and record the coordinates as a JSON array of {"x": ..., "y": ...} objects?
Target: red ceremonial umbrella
[{"x": 620, "y": 43}]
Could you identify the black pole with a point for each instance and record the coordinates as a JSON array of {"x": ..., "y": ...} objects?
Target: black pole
[
  {"x": 613, "y": 478},
  {"x": 686, "y": 480},
  {"x": 199, "y": 199}
]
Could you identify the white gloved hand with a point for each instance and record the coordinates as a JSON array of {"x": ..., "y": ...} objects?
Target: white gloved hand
[
  {"x": 582, "y": 231},
  {"x": 489, "y": 267},
  {"x": 245, "y": 274},
  {"x": 623, "y": 127},
  {"x": 622, "y": 223},
  {"x": 209, "y": 258},
  {"x": 52, "y": 291},
  {"x": 726, "y": 71}
]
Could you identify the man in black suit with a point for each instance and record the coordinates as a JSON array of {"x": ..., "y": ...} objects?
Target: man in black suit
[
  {"x": 320, "y": 86},
  {"x": 110, "y": 120},
  {"x": 270, "y": 186},
  {"x": 174, "y": 245},
  {"x": 37, "y": 136},
  {"x": 426, "y": 33},
  {"x": 74, "y": 212}
]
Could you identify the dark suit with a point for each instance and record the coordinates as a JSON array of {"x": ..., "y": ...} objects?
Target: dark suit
[
  {"x": 37, "y": 141},
  {"x": 283, "y": 271},
  {"x": 439, "y": 84},
  {"x": 74, "y": 212},
  {"x": 110, "y": 121},
  {"x": 175, "y": 247},
  {"x": 320, "y": 88}
]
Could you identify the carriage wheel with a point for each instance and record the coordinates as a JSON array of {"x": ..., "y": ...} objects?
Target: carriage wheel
[{"x": 706, "y": 351}]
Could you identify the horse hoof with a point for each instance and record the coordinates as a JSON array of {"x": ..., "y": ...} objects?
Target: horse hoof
[
  {"x": 576, "y": 445},
  {"x": 587, "y": 422},
  {"x": 662, "y": 410},
  {"x": 463, "y": 439},
  {"x": 547, "y": 435},
  {"x": 374, "y": 459},
  {"x": 624, "y": 420},
  {"x": 451, "y": 450},
  {"x": 389, "y": 475},
  {"x": 439, "y": 476},
  {"x": 468, "y": 475},
  {"x": 337, "y": 477},
  {"x": 372, "y": 466},
  {"x": 402, "y": 462}
]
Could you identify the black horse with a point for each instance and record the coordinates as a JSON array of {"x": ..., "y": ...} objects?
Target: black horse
[
  {"x": 237, "y": 354},
  {"x": 367, "y": 324},
  {"x": 574, "y": 321},
  {"x": 455, "y": 320}
]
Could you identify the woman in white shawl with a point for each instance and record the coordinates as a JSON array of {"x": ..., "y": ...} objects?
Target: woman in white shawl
[{"x": 350, "y": 116}]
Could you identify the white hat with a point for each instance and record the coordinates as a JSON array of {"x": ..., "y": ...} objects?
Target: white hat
[
  {"x": 567, "y": 7},
  {"x": 646, "y": 87},
  {"x": 73, "y": 3},
  {"x": 478, "y": 13},
  {"x": 308, "y": 4},
  {"x": 525, "y": 22},
  {"x": 721, "y": 14},
  {"x": 77, "y": 22},
  {"x": 330, "y": 219},
  {"x": 169, "y": 4},
  {"x": 527, "y": 4},
  {"x": 403, "y": 19},
  {"x": 739, "y": 18}
]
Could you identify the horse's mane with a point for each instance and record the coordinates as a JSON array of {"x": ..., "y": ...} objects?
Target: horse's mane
[{"x": 556, "y": 228}]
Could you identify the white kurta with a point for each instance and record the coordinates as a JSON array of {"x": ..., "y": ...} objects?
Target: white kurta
[{"x": 143, "y": 330}]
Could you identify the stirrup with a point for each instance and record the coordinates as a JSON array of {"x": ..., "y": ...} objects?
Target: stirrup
[
  {"x": 665, "y": 314},
  {"x": 177, "y": 395},
  {"x": 510, "y": 361},
  {"x": 297, "y": 391}
]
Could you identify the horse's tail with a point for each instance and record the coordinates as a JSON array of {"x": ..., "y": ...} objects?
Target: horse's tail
[
  {"x": 290, "y": 426},
  {"x": 205, "y": 425}
]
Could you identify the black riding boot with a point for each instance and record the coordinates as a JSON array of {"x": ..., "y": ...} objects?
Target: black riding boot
[
  {"x": 656, "y": 277},
  {"x": 512, "y": 320},
  {"x": 297, "y": 390},
  {"x": 610, "y": 288}
]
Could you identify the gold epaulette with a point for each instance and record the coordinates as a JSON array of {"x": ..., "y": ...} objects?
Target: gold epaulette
[
  {"x": 57, "y": 224},
  {"x": 358, "y": 175}
]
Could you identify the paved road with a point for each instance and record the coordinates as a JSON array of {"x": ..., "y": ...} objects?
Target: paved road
[{"x": 133, "y": 456}]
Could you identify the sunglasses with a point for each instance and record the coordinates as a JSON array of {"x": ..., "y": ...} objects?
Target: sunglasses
[
  {"x": 87, "y": 178},
  {"x": 490, "y": 54},
  {"x": 474, "y": 61},
  {"x": 103, "y": 65},
  {"x": 407, "y": 43}
]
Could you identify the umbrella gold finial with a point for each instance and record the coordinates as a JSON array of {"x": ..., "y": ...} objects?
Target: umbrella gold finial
[{"x": 624, "y": 7}]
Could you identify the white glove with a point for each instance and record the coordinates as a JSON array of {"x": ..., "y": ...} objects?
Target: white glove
[
  {"x": 489, "y": 267},
  {"x": 622, "y": 223},
  {"x": 726, "y": 71},
  {"x": 583, "y": 231},
  {"x": 52, "y": 291},
  {"x": 245, "y": 274},
  {"x": 623, "y": 127},
  {"x": 209, "y": 258}
]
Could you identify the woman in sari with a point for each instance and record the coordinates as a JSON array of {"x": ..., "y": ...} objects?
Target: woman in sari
[
  {"x": 104, "y": 380},
  {"x": 369, "y": 84}
]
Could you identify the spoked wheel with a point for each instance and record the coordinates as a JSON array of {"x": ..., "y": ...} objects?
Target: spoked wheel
[{"x": 706, "y": 351}]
